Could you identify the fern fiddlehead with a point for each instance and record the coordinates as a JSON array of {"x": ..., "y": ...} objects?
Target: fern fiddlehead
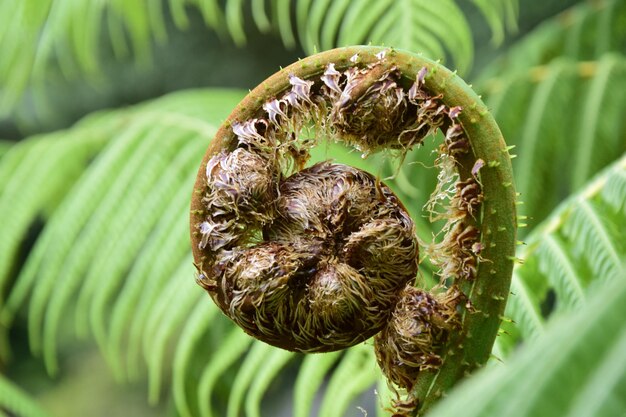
[{"x": 321, "y": 258}]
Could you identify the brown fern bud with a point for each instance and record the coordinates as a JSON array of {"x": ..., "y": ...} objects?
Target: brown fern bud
[
  {"x": 333, "y": 260},
  {"x": 239, "y": 195},
  {"x": 417, "y": 335}
]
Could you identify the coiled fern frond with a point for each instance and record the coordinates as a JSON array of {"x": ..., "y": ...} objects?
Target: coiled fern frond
[{"x": 321, "y": 258}]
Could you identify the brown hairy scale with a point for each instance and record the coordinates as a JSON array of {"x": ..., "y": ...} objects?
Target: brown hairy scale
[
  {"x": 417, "y": 334},
  {"x": 318, "y": 259}
]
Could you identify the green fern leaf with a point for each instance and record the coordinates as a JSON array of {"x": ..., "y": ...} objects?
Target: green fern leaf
[
  {"x": 585, "y": 32},
  {"x": 139, "y": 224},
  {"x": 589, "y": 224},
  {"x": 614, "y": 192},
  {"x": 577, "y": 248},
  {"x": 16, "y": 402},
  {"x": 499, "y": 14},
  {"x": 541, "y": 381},
  {"x": 598, "y": 106},
  {"x": 283, "y": 14},
  {"x": 137, "y": 174},
  {"x": 234, "y": 21},
  {"x": 157, "y": 263},
  {"x": 253, "y": 362},
  {"x": 40, "y": 38},
  {"x": 166, "y": 319},
  {"x": 230, "y": 350},
  {"x": 310, "y": 377},
  {"x": 525, "y": 304},
  {"x": 432, "y": 28},
  {"x": 558, "y": 263},
  {"x": 275, "y": 362},
  {"x": 35, "y": 175},
  {"x": 565, "y": 123},
  {"x": 417, "y": 20},
  {"x": 195, "y": 327},
  {"x": 355, "y": 372}
]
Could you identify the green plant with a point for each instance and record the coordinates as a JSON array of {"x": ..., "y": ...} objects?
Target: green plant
[
  {"x": 90, "y": 242},
  {"x": 42, "y": 38}
]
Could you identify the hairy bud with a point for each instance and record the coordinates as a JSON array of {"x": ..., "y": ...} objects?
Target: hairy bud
[{"x": 339, "y": 244}]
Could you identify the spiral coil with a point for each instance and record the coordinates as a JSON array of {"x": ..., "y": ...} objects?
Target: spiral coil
[{"x": 319, "y": 258}]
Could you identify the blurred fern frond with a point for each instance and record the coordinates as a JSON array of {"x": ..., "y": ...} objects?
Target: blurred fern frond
[
  {"x": 574, "y": 251},
  {"x": 43, "y": 37},
  {"x": 552, "y": 94},
  {"x": 565, "y": 123},
  {"x": 15, "y": 402},
  {"x": 575, "y": 369},
  {"x": 585, "y": 32},
  {"x": 4, "y": 147}
]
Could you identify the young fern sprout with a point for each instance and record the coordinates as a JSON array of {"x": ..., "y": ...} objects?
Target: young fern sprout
[{"x": 320, "y": 258}]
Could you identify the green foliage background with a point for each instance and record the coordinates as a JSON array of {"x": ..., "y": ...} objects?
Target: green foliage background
[{"x": 99, "y": 312}]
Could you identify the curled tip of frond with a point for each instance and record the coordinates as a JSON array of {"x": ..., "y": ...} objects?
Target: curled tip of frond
[
  {"x": 321, "y": 258},
  {"x": 417, "y": 334},
  {"x": 336, "y": 249}
]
